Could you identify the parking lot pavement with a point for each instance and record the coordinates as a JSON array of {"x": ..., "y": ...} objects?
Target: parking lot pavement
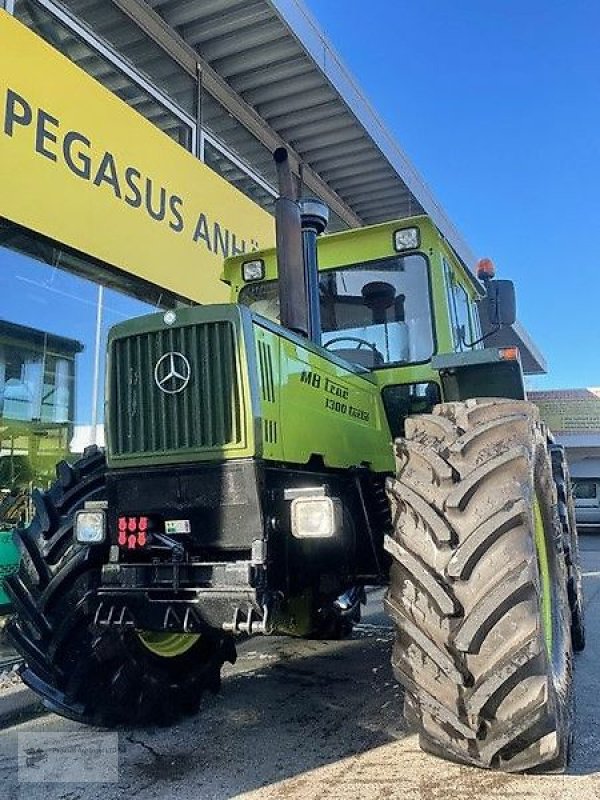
[{"x": 313, "y": 721}]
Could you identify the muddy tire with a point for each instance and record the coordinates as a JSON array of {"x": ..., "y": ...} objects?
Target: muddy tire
[
  {"x": 566, "y": 515},
  {"x": 478, "y": 588},
  {"x": 100, "y": 676}
]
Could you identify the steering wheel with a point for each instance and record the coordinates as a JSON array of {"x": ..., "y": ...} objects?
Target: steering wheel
[{"x": 360, "y": 344}]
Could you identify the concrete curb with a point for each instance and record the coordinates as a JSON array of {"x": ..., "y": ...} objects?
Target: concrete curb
[{"x": 17, "y": 702}]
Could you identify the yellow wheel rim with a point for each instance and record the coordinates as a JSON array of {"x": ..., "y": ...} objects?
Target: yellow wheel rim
[
  {"x": 167, "y": 645},
  {"x": 542, "y": 557}
]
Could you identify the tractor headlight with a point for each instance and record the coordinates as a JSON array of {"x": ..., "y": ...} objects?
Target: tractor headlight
[
  {"x": 407, "y": 239},
  {"x": 316, "y": 517},
  {"x": 90, "y": 526},
  {"x": 253, "y": 270}
]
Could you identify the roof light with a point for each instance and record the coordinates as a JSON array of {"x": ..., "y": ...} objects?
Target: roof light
[
  {"x": 253, "y": 270},
  {"x": 407, "y": 239},
  {"x": 509, "y": 353},
  {"x": 485, "y": 269}
]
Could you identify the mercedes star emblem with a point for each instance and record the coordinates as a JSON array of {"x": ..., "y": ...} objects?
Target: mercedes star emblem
[{"x": 172, "y": 372}]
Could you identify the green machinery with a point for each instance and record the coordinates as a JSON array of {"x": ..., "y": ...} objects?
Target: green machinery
[
  {"x": 338, "y": 425},
  {"x": 37, "y": 375}
]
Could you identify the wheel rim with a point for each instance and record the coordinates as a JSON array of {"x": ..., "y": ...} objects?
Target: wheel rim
[
  {"x": 167, "y": 645},
  {"x": 546, "y": 585}
]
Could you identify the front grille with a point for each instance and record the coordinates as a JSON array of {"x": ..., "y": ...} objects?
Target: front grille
[{"x": 206, "y": 414}]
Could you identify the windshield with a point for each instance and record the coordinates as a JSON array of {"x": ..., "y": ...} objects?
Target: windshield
[{"x": 374, "y": 313}]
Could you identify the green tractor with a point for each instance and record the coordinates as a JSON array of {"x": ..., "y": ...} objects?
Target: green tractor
[{"x": 338, "y": 425}]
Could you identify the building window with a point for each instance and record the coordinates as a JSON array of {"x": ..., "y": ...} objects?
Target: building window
[
  {"x": 111, "y": 48},
  {"x": 114, "y": 27},
  {"x": 234, "y": 173},
  {"x": 78, "y": 46}
]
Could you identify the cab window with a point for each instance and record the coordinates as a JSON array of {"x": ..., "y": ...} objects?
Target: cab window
[
  {"x": 373, "y": 313},
  {"x": 464, "y": 319}
]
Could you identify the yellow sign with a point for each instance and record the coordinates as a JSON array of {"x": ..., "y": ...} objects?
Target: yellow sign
[
  {"x": 569, "y": 411},
  {"x": 83, "y": 168}
]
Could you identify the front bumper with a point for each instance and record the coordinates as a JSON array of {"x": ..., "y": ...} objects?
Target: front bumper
[{"x": 212, "y": 576}]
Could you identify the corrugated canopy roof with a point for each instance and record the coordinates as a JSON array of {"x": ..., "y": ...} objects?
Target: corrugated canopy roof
[
  {"x": 270, "y": 77},
  {"x": 276, "y": 60},
  {"x": 266, "y": 64}
]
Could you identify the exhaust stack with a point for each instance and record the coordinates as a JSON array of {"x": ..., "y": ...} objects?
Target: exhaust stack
[
  {"x": 298, "y": 226},
  {"x": 293, "y": 300}
]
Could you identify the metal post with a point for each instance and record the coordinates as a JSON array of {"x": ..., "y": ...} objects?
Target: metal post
[
  {"x": 96, "y": 375},
  {"x": 200, "y": 138}
]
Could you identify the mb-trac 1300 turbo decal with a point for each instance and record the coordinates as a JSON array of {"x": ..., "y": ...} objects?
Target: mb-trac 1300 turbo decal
[{"x": 335, "y": 395}]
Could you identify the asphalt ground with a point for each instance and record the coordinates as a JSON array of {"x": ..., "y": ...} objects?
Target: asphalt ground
[{"x": 305, "y": 720}]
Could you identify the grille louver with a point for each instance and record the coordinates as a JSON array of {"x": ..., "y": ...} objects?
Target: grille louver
[
  {"x": 270, "y": 431},
  {"x": 265, "y": 360},
  {"x": 207, "y": 414}
]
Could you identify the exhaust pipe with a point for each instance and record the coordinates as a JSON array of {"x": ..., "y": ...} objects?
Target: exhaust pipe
[
  {"x": 314, "y": 216},
  {"x": 298, "y": 226}
]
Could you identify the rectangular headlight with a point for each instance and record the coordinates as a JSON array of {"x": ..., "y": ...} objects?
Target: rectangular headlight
[
  {"x": 90, "y": 526},
  {"x": 253, "y": 270},
  {"x": 316, "y": 517},
  {"x": 406, "y": 239}
]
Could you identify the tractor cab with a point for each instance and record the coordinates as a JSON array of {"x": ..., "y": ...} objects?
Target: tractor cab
[{"x": 396, "y": 300}]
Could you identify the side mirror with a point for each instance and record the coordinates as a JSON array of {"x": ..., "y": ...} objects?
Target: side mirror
[{"x": 501, "y": 302}]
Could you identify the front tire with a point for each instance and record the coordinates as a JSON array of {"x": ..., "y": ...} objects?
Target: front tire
[
  {"x": 478, "y": 590},
  {"x": 97, "y": 675}
]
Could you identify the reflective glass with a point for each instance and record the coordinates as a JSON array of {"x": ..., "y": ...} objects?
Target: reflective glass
[{"x": 53, "y": 331}]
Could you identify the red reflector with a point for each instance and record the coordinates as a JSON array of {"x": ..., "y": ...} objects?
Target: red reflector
[
  {"x": 509, "y": 353},
  {"x": 122, "y": 523},
  {"x": 132, "y": 524},
  {"x": 122, "y": 538},
  {"x": 131, "y": 542},
  {"x": 141, "y": 539},
  {"x": 143, "y": 524}
]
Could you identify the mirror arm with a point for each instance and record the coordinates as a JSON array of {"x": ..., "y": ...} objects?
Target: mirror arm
[{"x": 485, "y": 336}]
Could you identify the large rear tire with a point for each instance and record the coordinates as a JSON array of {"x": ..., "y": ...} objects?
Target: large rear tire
[
  {"x": 566, "y": 515},
  {"x": 478, "y": 588},
  {"x": 97, "y": 675}
]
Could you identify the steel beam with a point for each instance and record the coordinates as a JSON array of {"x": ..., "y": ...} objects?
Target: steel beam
[{"x": 153, "y": 24}]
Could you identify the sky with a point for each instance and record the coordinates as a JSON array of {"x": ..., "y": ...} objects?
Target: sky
[{"x": 497, "y": 104}]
